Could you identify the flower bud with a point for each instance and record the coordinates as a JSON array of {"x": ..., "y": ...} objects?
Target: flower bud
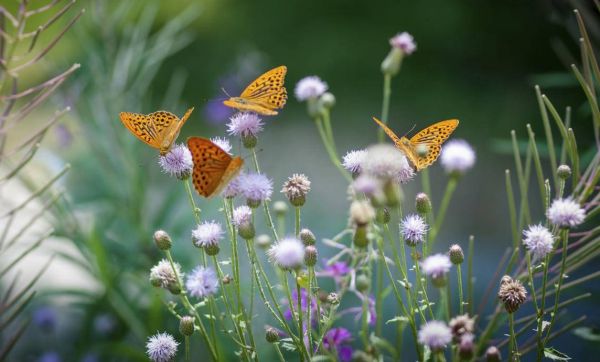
[
  {"x": 383, "y": 215},
  {"x": 186, "y": 325},
  {"x": 249, "y": 140},
  {"x": 175, "y": 289},
  {"x": 392, "y": 62},
  {"x": 246, "y": 231},
  {"x": 162, "y": 240},
  {"x": 363, "y": 283},
  {"x": 310, "y": 255},
  {"x": 361, "y": 239},
  {"x": 263, "y": 241},
  {"x": 272, "y": 335},
  {"x": 564, "y": 172},
  {"x": 253, "y": 204},
  {"x": 393, "y": 194},
  {"x": 226, "y": 279},
  {"x": 307, "y": 237},
  {"x": 327, "y": 100},
  {"x": 212, "y": 249},
  {"x": 333, "y": 298},
  {"x": 423, "y": 204},
  {"x": 466, "y": 347},
  {"x": 493, "y": 354},
  {"x": 155, "y": 280},
  {"x": 456, "y": 254},
  {"x": 280, "y": 208},
  {"x": 439, "y": 281}
]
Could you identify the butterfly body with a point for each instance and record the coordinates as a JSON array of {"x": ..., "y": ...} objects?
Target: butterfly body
[
  {"x": 264, "y": 95},
  {"x": 213, "y": 167},
  {"x": 158, "y": 130},
  {"x": 424, "y": 147}
]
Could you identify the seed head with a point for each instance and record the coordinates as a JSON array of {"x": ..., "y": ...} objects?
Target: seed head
[{"x": 512, "y": 293}]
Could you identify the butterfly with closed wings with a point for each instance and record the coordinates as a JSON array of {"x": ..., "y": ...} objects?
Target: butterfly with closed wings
[
  {"x": 430, "y": 138},
  {"x": 159, "y": 129},
  {"x": 264, "y": 95}
]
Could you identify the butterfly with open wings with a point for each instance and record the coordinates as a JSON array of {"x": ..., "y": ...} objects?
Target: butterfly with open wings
[{"x": 264, "y": 95}]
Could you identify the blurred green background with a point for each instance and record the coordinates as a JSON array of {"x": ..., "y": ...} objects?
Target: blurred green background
[{"x": 475, "y": 61}]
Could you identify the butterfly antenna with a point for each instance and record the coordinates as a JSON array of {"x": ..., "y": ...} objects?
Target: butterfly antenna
[
  {"x": 411, "y": 129},
  {"x": 224, "y": 91}
]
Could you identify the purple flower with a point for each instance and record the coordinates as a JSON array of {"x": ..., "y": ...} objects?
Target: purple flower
[
  {"x": 413, "y": 229},
  {"x": 177, "y": 162},
  {"x": 304, "y": 304},
  {"x": 161, "y": 347},
  {"x": 209, "y": 233},
  {"x": 223, "y": 143},
  {"x": 244, "y": 124},
  {"x": 405, "y": 42},
  {"x": 435, "y": 334},
  {"x": 353, "y": 160},
  {"x": 457, "y": 156},
  {"x": 45, "y": 318},
  {"x": 338, "y": 339},
  {"x": 233, "y": 188},
  {"x": 255, "y": 186},
  {"x": 388, "y": 163},
  {"x": 287, "y": 253},
  {"x": 538, "y": 240},
  {"x": 242, "y": 215},
  {"x": 202, "y": 282},
  {"x": 217, "y": 112},
  {"x": 565, "y": 213},
  {"x": 337, "y": 269},
  {"x": 367, "y": 184},
  {"x": 436, "y": 266},
  {"x": 310, "y": 88}
]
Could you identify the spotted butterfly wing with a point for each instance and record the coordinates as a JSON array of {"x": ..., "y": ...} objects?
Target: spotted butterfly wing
[
  {"x": 158, "y": 130},
  {"x": 402, "y": 144},
  {"x": 213, "y": 167},
  {"x": 264, "y": 95},
  {"x": 432, "y": 137}
]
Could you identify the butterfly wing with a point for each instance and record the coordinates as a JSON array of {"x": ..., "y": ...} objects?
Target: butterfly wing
[
  {"x": 213, "y": 167},
  {"x": 432, "y": 137},
  {"x": 264, "y": 95},
  {"x": 399, "y": 142}
]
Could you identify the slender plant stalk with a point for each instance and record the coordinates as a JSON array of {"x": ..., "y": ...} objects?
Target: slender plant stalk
[
  {"x": 460, "y": 289},
  {"x": 385, "y": 107}
]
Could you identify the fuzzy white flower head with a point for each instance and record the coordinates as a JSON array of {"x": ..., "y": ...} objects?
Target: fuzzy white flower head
[
  {"x": 287, "y": 253},
  {"x": 435, "y": 334},
  {"x": 538, "y": 240},
  {"x": 413, "y": 229},
  {"x": 565, "y": 213},
  {"x": 255, "y": 186},
  {"x": 367, "y": 184},
  {"x": 436, "y": 266},
  {"x": 310, "y": 88},
  {"x": 244, "y": 124},
  {"x": 177, "y": 162},
  {"x": 202, "y": 282},
  {"x": 353, "y": 160},
  {"x": 405, "y": 42},
  {"x": 162, "y": 274},
  {"x": 208, "y": 233},
  {"x": 457, "y": 156},
  {"x": 387, "y": 162},
  {"x": 233, "y": 188},
  {"x": 242, "y": 215},
  {"x": 161, "y": 347},
  {"x": 223, "y": 143},
  {"x": 361, "y": 212}
]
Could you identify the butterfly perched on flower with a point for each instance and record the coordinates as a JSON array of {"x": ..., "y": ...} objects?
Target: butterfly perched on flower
[
  {"x": 423, "y": 148},
  {"x": 159, "y": 129},
  {"x": 264, "y": 95},
  {"x": 213, "y": 167}
]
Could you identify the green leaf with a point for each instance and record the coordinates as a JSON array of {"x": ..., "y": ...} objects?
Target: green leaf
[
  {"x": 399, "y": 319},
  {"x": 553, "y": 354},
  {"x": 587, "y": 333}
]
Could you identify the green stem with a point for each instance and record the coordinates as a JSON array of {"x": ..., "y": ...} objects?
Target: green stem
[
  {"x": 195, "y": 209},
  {"x": 309, "y": 310},
  {"x": 421, "y": 285},
  {"x": 450, "y": 187},
  {"x": 540, "y": 315},
  {"x": 470, "y": 300},
  {"x": 565, "y": 241},
  {"x": 330, "y": 151},
  {"x": 513, "y": 354},
  {"x": 385, "y": 107},
  {"x": 279, "y": 354},
  {"x": 265, "y": 203},
  {"x": 460, "y": 289},
  {"x": 187, "y": 348},
  {"x": 297, "y": 221}
]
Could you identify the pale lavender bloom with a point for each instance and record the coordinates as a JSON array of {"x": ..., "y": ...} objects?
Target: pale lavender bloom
[
  {"x": 163, "y": 275},
  {"x": 339, "y": 339},
  {"x": 367, "y": 184},
  {"x": 436, "y": 266},
  {"x": 45, "y": 318},
  {"x": 255, "y": 186},
  {"x": 336, "y": 270},
  {"x": 202, "y": 282},
  {"x": 209, "y": 233},
  {"x": 223, "y": 143},
  {"x": 242, "y": 215},
  {"x": 353, "y": 160},
  {"x": 405, "y": 42},
  {"x": 287, "y": 253},
  {"x": 413, "y": 229},
  {"x": 233, "y": 188},
  {"x": 177, "y": 162},
  {"x": 538, "y": 240},
  {"x": 310, "y": 88},
  {"x": 435, "y": 334},
  {"x": 457, "y": 156},
  {"x": 387, "y": 162},
  {"x": 161, "y": 347},
  {"x": 565, "y": 213},
  {"x": 244, "y": 124},
  {"x": 303, "y": 304}
]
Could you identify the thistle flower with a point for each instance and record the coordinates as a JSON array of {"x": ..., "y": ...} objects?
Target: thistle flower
[
  {"x": 272, "y": 335},
  {"x": 177, "y": 162},
  {"x": 162, "y": 240},
  {"x": 368, "y": 185},
  {"x": 338, "y": 339},
  {"x": 461, "y": 325},
  {"x": 388, "y": 163},
  {"x": 435, "y": 334},
  {"x": 244, "y": 124},
  {"x": 512, "y": 294},
  {"x": 287, "y": 253},
  {"x": 457, "y": 156},
  {"x": 162, "y": 275},
  {"x": 336, "y": 270},
  {"x": 353, "y": 160},
  {"x": 405, "y": 42},
  {"x": 413, "y": 229},
  {"x": 310, "y": 255},
  {"x": 492, "y": 354},
  {"x": 310, "y": 87},
  {"x": 456, "y": 254},
  {"x": 242, "y": 219},
  {"x": 207, "y": 236},
  {"x": 307, "y": 237},
  {"x": 565, "y": 213},
  {"x": 437, "y": 266},
  {"x": 202, "y": 282},
  {"x": 422, "y": 203},
  {"x": 538, "y": 240},
  {"x": 186, "y": 325},
  {"x": 361, "y": 212},
  {"x": 223, "y": 143},
  {"x": 296, "y": 188},
  {"x": 563, "y": 171},
  {"x": 161, "y": 347},
  {"x": 255, "y": 187},
  {"x": 466, "y": 346},
  {"x": 233, "y": 188},
  {"x": 304, "y": 300}
]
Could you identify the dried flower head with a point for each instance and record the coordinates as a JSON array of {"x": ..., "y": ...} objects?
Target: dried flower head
[
  {"x": 457, "y": 156},
  {"x": 388, "y": 163},
  {"x": 162, "y": 274},
  {"x": 255, "y": 187},
  {"x": 461, "y": 325},
  {"x": 223, "y": 143},
  {"x": 161, "y": 347},
  {"x": 512, "y": 294},
  {"x": 405, "y": 42},
  {"x": 538, "y": 240},
  {"x": 244, "y": 124},
  {"x": 435, "y": 334},
  {"x": 310, "y": 87},
  {"x": 287, "y": 253},
  {"x": 177, "y": 162},
  {"x": 353, "y": 160},
  {"x": 413, "y": 228},
  {"x": 202, "y": 282},
  {"x": 566, "y": 213},
  {"x": 361, "y": 212},
  {"x": 296, "y": 188}
]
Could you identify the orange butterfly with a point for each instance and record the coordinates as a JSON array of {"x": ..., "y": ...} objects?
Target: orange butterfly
[
  {"x": 430, "y": 138},
  {"x": 159, "y": 129},
  {"x": 213, "y": 167},
  {"x": 264, "y": 95}
]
